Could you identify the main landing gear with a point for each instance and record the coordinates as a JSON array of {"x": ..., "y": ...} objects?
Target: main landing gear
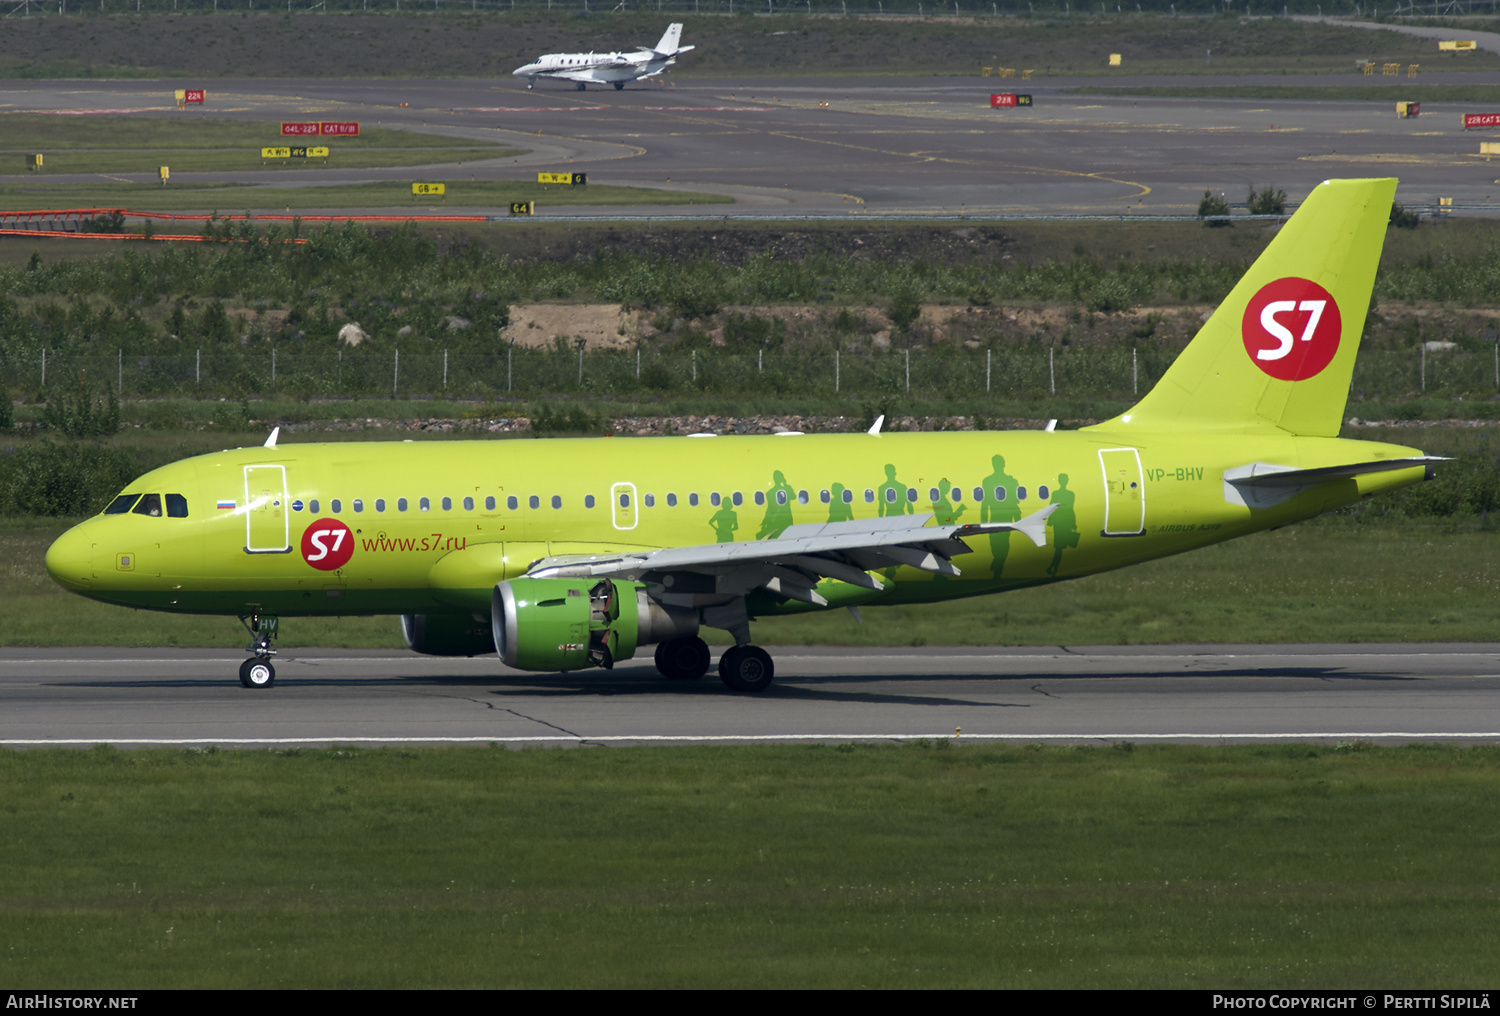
[
  {"x": 742, "y": 668},
  {"x": 619, "y": 86},
  {"x": 257, "y": 671}
]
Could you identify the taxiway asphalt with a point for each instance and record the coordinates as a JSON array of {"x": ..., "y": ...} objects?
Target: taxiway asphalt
[
  {"x": 135, "y": 698},
  {"x": 855, "y": 146}
]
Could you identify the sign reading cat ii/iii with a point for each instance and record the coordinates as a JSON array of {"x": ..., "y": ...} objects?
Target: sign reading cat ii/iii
[{"x": 430, "y": 188}]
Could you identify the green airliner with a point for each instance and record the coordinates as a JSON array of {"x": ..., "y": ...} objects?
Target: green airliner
[{"x": 562, "y": 555}]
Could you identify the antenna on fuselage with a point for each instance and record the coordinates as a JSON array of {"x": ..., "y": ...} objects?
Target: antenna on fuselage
[
  {"x": 271, "y": 441},
  {"x": 874, "y": 430}
]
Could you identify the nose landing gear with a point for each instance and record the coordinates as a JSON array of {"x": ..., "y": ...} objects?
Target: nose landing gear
[{"x": 257, "y": 671}]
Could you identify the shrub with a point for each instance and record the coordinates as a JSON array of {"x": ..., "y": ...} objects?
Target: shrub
[
  {"x": 1266, "y": 201},
  {"x": 1402, "y": 219},
  {"x": 1214, "y": 208}
]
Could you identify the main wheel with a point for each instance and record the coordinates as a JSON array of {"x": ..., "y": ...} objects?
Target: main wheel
[
  {"x": 619, "y": 85},
  {"x": 684, "y": 659},
  {"x": 257, "y": 674},
  {"x": 746, "y": 668}
]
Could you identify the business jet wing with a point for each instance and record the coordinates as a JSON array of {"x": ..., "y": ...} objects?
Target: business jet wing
[{"x": 792, "y": 564}]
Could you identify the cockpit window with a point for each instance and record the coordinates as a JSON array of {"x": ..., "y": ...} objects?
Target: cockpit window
[
  {"x": 150, "y": 504},
  {"x": 121, "y": 504},
  {"x": 176, "y": 506}
]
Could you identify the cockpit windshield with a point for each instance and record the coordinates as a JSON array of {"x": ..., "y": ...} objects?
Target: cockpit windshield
[
  {"x": 121, "y": 504},
  {"x": 149, "y": 504}
]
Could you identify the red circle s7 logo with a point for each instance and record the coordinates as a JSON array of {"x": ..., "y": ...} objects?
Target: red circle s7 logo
[
  {"x": 327, "y": 544},
  {"x": 1292, "y": 328}
]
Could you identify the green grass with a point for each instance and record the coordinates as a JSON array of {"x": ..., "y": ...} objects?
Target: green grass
[
  {"x": 33, "y": 132},
  {"x": 385, "y": 196},
  {"x": 1330, "y": 582},
  {"x": 1323, "y": 93},
  {"x": 187, "y": 160},
  {"x": 925, "y": 865}
]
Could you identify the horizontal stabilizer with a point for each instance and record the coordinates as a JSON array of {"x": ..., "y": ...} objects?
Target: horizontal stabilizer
[{"x": 1262, "y": 484}]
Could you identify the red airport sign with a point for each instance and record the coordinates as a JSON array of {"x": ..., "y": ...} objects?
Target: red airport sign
[
  {"x": 193, "y": 95},
  {"x": 347, "y": 129},
  {"x": 1481, "y": 120},
  {"x": 1005, "y": 100},
  {"x": 298, "y": 129}
]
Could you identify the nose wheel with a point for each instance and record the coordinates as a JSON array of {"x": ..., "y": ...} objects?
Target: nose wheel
[{"x": 257, "y": 671}]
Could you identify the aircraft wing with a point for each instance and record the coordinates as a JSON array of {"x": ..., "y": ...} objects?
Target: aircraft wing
[
  {"x": 794, "y": 562},
  {"x": 1263, "y": 484}
]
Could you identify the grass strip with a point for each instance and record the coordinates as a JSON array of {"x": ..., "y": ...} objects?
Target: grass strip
[
  {"x": 1318, "y": 582},
  {"x": 1372, "y": 93},
  {"x": 50, "y": 133},
  {"x": 188, "y": 160},
  {"x": 920, "y": 865},
  {"x": 385, "y": 196}
]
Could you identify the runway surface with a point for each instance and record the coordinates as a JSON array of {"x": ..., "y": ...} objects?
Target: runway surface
[
  {"x": 82, "y": 697},
  {"x": 857, "y": 146}
]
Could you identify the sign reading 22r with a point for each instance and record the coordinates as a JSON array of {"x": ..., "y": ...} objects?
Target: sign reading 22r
[
  {"x": 327, "y": 544},
  {"x": 1291, "y": 329}
]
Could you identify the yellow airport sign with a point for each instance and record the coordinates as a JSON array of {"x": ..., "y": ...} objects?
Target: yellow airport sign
[
  {"x": 430, "y": 188},
  {"x": 275, "y": 153},
  {"x": 36, "y": 161},
  {"x": 1114, "y": 59},
  {"x": 309, "y": 153},
  {"x": 571, "y": 179},
  {"x": 1457, "y": 45},
  {"x": 523, "y": 208},
  {"x": 165, "y": 173}
]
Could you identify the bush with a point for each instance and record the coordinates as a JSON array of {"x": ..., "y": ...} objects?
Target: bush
[
  {"x": 65, "y": 479},
  {"x": 1402, "y": 219},
  {"x": 1214, "y": 208},
  {"x": 904, "y": 307},
  {"x": 1266, "y": 201},
  {"x": 86, "y": 415}
]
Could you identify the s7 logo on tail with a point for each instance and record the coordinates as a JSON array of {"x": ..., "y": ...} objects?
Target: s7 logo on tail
[{"x": 1292, "y": 328}]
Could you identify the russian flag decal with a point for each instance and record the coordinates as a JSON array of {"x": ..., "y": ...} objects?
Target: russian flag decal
[{"x": 225, "y": 504}]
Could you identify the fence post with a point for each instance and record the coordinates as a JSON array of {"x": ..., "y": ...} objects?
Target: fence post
[
  {"x": 760, "y": 360},
  {"x": 44, "y": 366},
  {"x": 339, "y": 379},
  {"x": 1423, "y": 348},
  {"x": 395, "y": 371},
  {"x": 637, "y": 363},
  {"x": 695, "y": 366},
  {"x": 119, "y": 371},
  {"x": 273, "y": 366},
  {"x": 445, "y": 370},
  {"x": 509, "y": 377},
  {"x": 1135, "y": 374},
  {"x": 835, "y": 372},
  {"x": 1051, "y": 371},
  {"x": 908, "y": 368},
  {"x": 198, "y": 366},
  {"x": 580, "y": 365},
  {"x": 988, "y": 353}
]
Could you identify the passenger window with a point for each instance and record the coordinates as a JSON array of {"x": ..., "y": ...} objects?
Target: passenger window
[
  {"x": 447, "y": 504},
  {"x": 671, "y": 500},
  {"x": 1042, "y": 492},
  {"x": 693, "y": 500},
  {"x": 588, "y": 500},
  {"x": 714, "y": 499},
  {"x": 979, "y": 493},
  {"x": 932, "y": 495},
  {"x": 958, "y": 493},
  {"x": 425, "y": 505},
  {"x": 556, "y": 501},
  {"x": 760, "y": 498},
  {"x": 176, "y": 506},
  {"x": 650, "y": 500},
  {"x": 468, "y": 504},
  {"x": 512, "y": 503},
  {"x": 380, "y": 504},
  {"x": 489, "y": 503},
  {"x": 150, "y": 504},
  {"x": 401, "y": 504},
  {"x": 802, "y": 497},
  {"x": 869, "y": 495},
  {"x": 624, "y": 500},
  {"x": 312, "y": 505},
  {"x": 824, "y": 496},
  {"x": 848, "y": 496},
  {"x": 999, "y": 493},
  {"x": 911, "y": 494},
  {"x": 121, "y": 504},
  {"x": 890, "y": 495},
  {"x": 1020, "y": 493},
  {"x": 780, "y": 497},
  {"x": 533, "y": 502},
  {"x": 739, "y": 499},
  {"x": 336, "y": 506}
]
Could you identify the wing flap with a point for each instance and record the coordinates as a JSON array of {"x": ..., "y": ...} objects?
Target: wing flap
[{"x": 1265, "y": 484}]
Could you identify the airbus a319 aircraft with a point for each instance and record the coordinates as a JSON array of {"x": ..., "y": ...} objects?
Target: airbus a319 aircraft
[
  {"x": 584, "y": 69},
  {"x": 566, "y": 554}
]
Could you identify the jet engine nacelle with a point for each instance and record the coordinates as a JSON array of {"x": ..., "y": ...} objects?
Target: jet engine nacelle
[
  {"x": 570, "y": 624},
  {"x": 447, "y": 634}
]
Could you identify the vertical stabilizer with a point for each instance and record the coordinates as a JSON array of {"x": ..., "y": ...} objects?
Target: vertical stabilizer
[
  {"x": 1279, "y": 351},
  {"x": 670, "y": 40}
]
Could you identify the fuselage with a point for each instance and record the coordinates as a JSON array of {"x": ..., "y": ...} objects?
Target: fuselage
[{"x": 429, "y": 527}]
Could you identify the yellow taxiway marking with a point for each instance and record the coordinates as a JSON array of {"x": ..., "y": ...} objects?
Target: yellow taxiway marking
[{"x": 1389, "y": 158}]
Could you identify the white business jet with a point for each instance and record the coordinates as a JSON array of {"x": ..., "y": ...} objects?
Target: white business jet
[{"x": 615, "y": 69}]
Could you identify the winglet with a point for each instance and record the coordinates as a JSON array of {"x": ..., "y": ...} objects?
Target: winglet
[
  {"x": 874, "y": 430},
  {"x": 271, "y": 441},
  {"x": 1034, "y": 526}
]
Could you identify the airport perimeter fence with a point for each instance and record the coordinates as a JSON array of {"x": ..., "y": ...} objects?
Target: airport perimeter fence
[
  {"x": 1028, "y": 373},
  {"x": 923, "y": 9}
]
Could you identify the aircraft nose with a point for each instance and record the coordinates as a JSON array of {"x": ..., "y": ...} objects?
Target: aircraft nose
[{"x": 70, "y": 559}]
